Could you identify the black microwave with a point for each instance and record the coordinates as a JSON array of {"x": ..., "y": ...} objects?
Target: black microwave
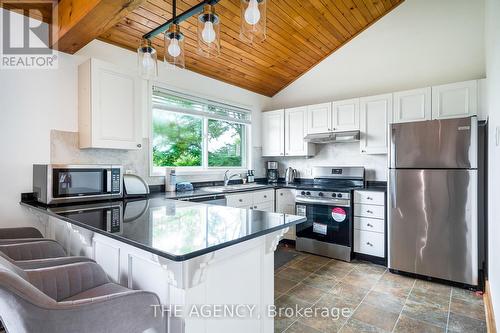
[{"x": 58, "y": 183}]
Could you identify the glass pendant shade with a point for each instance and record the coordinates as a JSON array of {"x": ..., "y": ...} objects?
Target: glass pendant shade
[
  {"x": 147, "y": 60},
  {"x": 209, "y": 33},
  {"x": 253, "y": 20},
  {"x": 174, "y": 47}
]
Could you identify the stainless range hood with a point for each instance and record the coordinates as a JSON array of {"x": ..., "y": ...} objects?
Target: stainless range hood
[{"x": 333, "y": 137}]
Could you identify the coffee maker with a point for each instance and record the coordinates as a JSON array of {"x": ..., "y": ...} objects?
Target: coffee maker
[{"x": 272, "y": 172}]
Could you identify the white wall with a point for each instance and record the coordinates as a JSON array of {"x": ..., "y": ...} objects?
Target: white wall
[
  {"x": 493, "y": 73},
  {"x": 33, "y": 102},
  {"x": 420, "y": 43}
]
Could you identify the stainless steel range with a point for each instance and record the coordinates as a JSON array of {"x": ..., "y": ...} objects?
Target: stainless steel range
[{"x": 327, "y": 205}]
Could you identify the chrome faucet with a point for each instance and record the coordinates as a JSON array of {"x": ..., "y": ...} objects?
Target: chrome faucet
[{"x": 227, "y": 179}]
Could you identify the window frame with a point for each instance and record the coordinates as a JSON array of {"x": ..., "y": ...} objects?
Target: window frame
[{"x": 204, "y": 169}]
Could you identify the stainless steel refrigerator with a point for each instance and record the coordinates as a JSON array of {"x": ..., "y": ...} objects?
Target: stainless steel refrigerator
[{"x": 433, "y": 199}]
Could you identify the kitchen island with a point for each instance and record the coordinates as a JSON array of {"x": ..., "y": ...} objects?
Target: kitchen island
[{"x": 211, "y": 266}]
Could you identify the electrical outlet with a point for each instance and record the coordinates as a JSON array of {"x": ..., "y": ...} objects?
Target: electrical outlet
[{"x": 129, "y": 172}]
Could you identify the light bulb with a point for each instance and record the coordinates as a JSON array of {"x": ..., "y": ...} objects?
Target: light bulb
[
  {"x": 252, "y": 13},
  {"x": 174, "y": 49},
  {"x": 208, "y": 33},
  {"x": 147, "y": 62}
]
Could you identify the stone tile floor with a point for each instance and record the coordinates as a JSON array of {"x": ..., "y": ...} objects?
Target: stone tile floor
[{"x": 372, "y": 298}]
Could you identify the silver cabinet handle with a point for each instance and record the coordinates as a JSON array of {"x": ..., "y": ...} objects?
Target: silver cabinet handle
[
  {"x": 281, "y": 194},
  {"x": 265, "y": 196},
  {"x": 241, "y": 200},
  {"x": 369, "y": 198},
  {"x": 251, "y": 207},
  {"x": 369, "y": 225},
  {"x": 369, "y": 244},
  {"x": 139, "y": 145},
  {"x": 255, "y": 207},
  {"x": 363, "y": 151},
  {"x": 369, "y": 212}
]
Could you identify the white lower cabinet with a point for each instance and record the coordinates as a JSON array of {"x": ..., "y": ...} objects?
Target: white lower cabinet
[
  {"x": 285, "y": 204},
  {"x": 258, "y": 200},
  {"x": 369, "y": 223}
]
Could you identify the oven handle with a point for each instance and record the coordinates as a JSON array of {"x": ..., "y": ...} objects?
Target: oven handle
[{"x": 327, "y": 202}]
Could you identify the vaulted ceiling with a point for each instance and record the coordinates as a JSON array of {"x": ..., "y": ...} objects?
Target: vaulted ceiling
[{"x": 300, "y": 33}]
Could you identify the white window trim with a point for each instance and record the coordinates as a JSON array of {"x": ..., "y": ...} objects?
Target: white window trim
[{"x": 195, "y": 171}]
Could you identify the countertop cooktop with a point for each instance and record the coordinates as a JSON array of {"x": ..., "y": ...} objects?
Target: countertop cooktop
[{"x": 176, "y": 230}]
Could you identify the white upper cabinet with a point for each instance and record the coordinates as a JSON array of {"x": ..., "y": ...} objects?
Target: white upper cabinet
[
  {"x": 345, "y": 115},
  {"x": 273, "y": 133},
  {"x": 109, "y": 106},
  {"x": 454, "y": 100},
  {"x": 319, "y": 118},
  {"x": 375, "y": 114},
  {"x": 295, "y": 131},
  {"x": 412, "y": 105}
]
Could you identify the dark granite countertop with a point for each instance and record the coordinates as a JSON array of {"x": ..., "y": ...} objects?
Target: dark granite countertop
[{"x": 176, "y": 230}]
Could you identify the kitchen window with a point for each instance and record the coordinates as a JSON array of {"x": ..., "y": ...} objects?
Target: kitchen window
[{"x": 191, "y": 133}]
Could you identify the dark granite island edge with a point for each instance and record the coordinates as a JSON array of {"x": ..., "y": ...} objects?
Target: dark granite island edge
[{"x": 178, "y": 258}]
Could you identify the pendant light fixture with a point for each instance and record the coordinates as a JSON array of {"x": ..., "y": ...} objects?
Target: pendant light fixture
[
  {"x": 253, "y": 29},
  {"x": 147, "y": 60},
  {"x": 174, "y": 42},
  {"x": 174, "y": 47},
  {"x": 209, "y": 32},
  {"x": 253, "y": 20}
]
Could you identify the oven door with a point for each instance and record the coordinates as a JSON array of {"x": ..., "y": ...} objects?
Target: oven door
[{"x": 329, "y": 223}]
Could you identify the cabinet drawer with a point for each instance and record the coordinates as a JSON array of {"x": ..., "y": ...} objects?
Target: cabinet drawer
[
  {"x": 371, "y": 243},
  {"x": 369, "y": 197},
  {"x": 367, "y": 224},
  {"x": 238, "y": 200},
  {"x": 263, "y": 196},
  {"x": 371, "y": 211}
]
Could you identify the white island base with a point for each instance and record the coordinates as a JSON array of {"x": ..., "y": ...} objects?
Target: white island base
[{"x": 239, "y": 277}]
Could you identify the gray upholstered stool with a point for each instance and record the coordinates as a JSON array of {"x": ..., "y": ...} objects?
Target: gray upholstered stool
[
  {"x": 37, "y": 254},
  {"x": 16, "y": 235},
  {"x": 73, "y": 298}
]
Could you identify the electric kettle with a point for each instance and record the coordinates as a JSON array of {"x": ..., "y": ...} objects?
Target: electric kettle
[{"x": 290, "y": 175}]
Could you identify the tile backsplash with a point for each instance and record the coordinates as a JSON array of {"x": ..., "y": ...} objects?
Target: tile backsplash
[
  {"x": 64, "y": 149},
  {"x": 339, "y": 154}
]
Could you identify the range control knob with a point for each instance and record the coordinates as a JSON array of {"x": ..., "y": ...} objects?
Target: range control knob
[
  {"x": 334, "y": 195},
  {"x": 303, "y": 193},
  {"x": 320, "y": 194},
  {"x": 339, "y": 195},
  {"x": 308, "y": 193}
]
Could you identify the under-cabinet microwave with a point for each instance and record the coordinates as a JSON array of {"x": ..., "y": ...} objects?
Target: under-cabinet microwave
[{"x": 61, "y": 183}]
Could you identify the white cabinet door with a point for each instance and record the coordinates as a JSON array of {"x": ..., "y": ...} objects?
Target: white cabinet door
[
  {"x": 285, "y": 204},
  {"x": 109, "y": 106},
  {"x": 375, "y": 114},
  {"x": 239, "y": 200},
  {"x": 285, "y": 201},
  {"x": 265, "y": 206},
  {"x": 454, "y": 100},
  {"x": 346, "y": 115},
  {"x": 273, "y": 133},
  {"x": 295, "y": 131},
  {"x": 319, "y": 118},
  {"x": 412, "y": 105}
]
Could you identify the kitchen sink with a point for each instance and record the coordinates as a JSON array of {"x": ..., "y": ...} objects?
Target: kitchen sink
[{"x": 230, "y": 188}]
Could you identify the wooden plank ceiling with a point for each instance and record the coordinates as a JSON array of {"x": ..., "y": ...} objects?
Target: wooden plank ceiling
[{"x": 300, "y": 33}]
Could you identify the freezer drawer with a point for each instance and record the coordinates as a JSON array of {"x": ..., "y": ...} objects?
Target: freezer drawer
[
  {"x": 433, "y": 223},
  {"x": 436, "y": 144}
]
